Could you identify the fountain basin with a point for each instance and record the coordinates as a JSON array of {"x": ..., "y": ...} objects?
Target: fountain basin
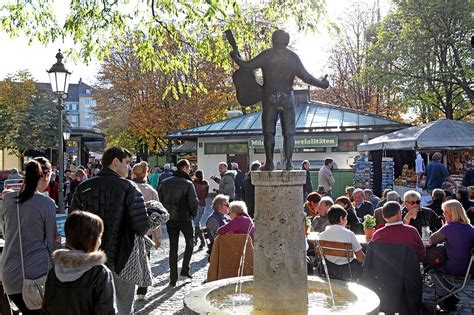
[{"x": 214, "y": 298}]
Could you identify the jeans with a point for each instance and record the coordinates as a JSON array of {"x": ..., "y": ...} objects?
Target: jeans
[
  {"x": 124, "y": 295},
  {"x": 174, "y": 227},
  {"x": 197, "y": 219}
]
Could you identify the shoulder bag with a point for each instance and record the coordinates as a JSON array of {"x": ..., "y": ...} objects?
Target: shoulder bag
[{"x": 32, "y": 290}]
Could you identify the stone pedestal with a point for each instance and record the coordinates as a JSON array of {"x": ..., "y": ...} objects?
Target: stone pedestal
[{"x": 280, "y": 273}]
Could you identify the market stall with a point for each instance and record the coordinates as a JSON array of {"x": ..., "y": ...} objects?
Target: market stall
[{"x": 454, "y": 139}]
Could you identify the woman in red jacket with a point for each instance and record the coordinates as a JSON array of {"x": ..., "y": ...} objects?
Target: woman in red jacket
[{"x": 202, "y": 190}]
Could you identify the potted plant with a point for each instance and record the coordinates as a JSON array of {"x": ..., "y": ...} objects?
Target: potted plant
[{"x": 369, "y": 226}]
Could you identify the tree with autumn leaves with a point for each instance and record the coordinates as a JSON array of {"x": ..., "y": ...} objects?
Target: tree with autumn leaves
[
  {"x": 134, "y": 104},
  {"x": 28, "y": 115}
]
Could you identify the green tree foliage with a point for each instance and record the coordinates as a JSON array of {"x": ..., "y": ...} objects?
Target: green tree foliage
[
  {"x": 422, "y": 47},
  {"x": 99, "y": 27},
  {"x": 27, "y": 115}
]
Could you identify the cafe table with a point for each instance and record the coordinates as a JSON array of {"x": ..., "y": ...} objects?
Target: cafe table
[{"x": 313, "y": 237}]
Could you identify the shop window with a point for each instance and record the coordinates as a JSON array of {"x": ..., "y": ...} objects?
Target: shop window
[
  {"x": 237, "y": 148},
  {"x": 347, "y": 146},
  {"x": 225, "y": 148},
  {"x": 215, "y": 148}
]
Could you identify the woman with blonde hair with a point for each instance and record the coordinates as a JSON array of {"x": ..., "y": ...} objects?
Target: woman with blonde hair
[{"x": 458, "y": 237}]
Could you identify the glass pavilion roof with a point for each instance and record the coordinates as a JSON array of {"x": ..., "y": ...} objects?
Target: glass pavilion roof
[{"x": 310, "y": 117}]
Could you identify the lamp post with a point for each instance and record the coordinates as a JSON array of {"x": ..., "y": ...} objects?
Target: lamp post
[{"x": 59, "y": 77}]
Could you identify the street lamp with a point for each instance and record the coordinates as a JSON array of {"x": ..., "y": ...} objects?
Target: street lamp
[{"x": 59, "y": 77}]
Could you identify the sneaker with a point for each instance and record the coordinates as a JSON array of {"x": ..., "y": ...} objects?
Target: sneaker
[
  {"x": 172, "y": 284},
  {"x": 141, "y": 297},
  {"x": 186, "y": 275}
]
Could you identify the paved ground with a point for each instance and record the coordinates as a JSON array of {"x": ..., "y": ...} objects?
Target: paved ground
[{"x": 162, "y": 299}]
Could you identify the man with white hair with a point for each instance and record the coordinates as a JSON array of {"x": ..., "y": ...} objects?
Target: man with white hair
[
  {"x": 416, "y": 215},
  {"x": 379, "y": 219},
  {"x": 362, "y": 207},
  {"x": 321, "y": 220},
  {"x": 166, "y": 173}
]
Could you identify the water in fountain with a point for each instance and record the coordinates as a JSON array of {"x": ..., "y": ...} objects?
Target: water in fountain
[
  {"x": 326, "y": 271},
  {"x": 238, "y": 297}
]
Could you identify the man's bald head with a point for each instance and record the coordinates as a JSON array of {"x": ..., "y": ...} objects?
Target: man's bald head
[{"x": 280, "y": 38}]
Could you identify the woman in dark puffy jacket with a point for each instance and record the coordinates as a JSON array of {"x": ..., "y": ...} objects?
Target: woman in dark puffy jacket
[{"x": 80, "y": 283}]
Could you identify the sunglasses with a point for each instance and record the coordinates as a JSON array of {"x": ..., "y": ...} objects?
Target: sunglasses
[{"x": 413, "y": 202}]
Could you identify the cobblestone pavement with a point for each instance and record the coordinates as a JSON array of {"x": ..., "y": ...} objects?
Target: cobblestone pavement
[{"x": 162, "y": 299}]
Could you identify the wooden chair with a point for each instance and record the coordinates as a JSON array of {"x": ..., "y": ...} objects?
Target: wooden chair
[{"x": 338, "y": 249}]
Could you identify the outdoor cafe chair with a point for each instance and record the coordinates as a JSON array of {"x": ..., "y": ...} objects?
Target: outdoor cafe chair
[
  {"x": 452, "y": 284},
  {"x": 338, "y": 249}
]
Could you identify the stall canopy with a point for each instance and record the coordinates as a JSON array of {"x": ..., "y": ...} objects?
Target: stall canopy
[{"x": 442, "y": 134}]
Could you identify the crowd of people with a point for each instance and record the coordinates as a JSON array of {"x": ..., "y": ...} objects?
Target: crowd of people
[{"x": 109, "y": 213}]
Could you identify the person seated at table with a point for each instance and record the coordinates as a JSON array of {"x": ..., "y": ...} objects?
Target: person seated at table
[
  {"x": 348, "y": 192},
  {"x": 462, "y": 196},
  {"x": 240, "y": 222},
  {"x": 321, "y": 220},
  {"x": 395, "y": 232},
  {"x": 218, "y": 217},
  {"x": 384, "y": 198},
  {"x": 362, "y": 207},
  {"x": 371, "y": 197},
  {"x": 458, "y": 237},
  {"x": 437, "y": 198},
  {"x": 312, "y": 203},
  {"x": 379, "y": 220},
  {"x": 337, "y": 232},
  {"x": 416, "y": 215},
  {"x": 352, "y": 219}
]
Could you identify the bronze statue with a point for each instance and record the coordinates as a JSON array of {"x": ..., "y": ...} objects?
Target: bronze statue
[{"x": 279, "y": 66}]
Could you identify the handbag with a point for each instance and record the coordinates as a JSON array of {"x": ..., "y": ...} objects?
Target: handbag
[
  {"x": 33, "y": 289},
  {"x": 137, "y": 268},
  {"x": 436, "y": 256}
]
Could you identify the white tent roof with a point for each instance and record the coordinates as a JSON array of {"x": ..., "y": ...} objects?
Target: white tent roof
[{"x": 441, "y": 134}]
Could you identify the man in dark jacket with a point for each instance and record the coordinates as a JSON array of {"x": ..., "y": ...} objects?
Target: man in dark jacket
[
  {"x": 308, "y": 186},
  {"x": 416, "y": 215},
  {"x": 248, "y": 190},
  {"x": 361, "y": 206},
  {"x": 238, "y": 181},
  {"x": 179, "y": 197},
  {"x": 119, "y": 203},
  {"x": 437, "y": 200}
]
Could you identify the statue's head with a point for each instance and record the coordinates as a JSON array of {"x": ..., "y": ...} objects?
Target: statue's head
[{"x": 280, "y": 38}]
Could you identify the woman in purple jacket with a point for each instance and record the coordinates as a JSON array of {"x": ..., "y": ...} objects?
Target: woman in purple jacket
[
  {"x": 241, "y": 222},
  {"x": 458, "y": 237}
]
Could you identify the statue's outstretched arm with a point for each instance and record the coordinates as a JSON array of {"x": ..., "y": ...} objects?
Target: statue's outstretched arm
[
  {"x": 308, "y": 78},
  {"x": 252, "y": 64}
]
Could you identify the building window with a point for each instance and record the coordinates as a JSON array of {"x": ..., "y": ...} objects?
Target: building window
[
  {"x": 225, "y": 148},
  {"x": 88, "y": 92},
  {"x": 74, "y": 120},
  {"x": 347, "y": 146},
  {"x": 72, "y": 106}
]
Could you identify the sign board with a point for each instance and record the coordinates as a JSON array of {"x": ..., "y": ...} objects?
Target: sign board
[
  {"x": 60, "y": 220},
  {"x": 302, "y": 142}
]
